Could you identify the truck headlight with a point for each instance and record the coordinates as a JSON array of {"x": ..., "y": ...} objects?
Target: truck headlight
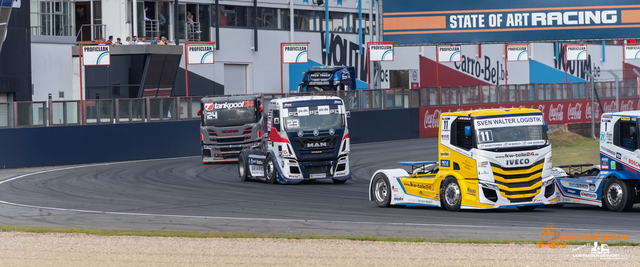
[
  {"x": 489, "y": 186},
  {"x": 547, "y": 182}
]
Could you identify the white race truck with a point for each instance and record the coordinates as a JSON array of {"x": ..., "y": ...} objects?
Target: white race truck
[{"x": 306, "y": 139}]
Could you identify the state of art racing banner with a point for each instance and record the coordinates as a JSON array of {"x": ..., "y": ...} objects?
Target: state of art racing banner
[{"x": 408, "y": 22}]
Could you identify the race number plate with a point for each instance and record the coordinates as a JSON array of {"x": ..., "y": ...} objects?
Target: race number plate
[
  {"x": 318, "y": 175},
  {"x": 256, "y": 170}
]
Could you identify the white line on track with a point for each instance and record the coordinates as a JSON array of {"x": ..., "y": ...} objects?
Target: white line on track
[{"x": 244, "y": 218}]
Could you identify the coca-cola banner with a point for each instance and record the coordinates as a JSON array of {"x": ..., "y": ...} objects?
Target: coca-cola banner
[{"x": 555, "y": 112}]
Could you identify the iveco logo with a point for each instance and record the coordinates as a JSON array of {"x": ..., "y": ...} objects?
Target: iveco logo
[
  {"x": 318, "y": 144},
  {"x": 517, "y": 161}
]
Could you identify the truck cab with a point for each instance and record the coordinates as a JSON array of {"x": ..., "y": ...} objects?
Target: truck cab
[
  {"x": 307, "y": 138},
  {"x": 486, "y": 159},
  {"x": 229, "y": 124},
  {"x": 328, "y": 79},
  {"x": 617, "y": 185}
]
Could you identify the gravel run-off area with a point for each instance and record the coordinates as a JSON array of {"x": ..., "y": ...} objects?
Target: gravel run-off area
[{"x": 31, "y": 249}]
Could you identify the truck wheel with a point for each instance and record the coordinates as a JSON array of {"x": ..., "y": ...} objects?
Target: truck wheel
[
  {"x": 617, "y": 195},
  {"x": 451, "y": 194},
  {"x": 336, "y": 181},
  {"x": 381, "y": 190},
  {"x": 527, "y": 208},
  {"x": 242, "y": 168},
  {"x": 270, "y": 170}
]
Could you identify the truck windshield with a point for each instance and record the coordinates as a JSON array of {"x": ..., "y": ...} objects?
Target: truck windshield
[
  {"x": 507, "y": 132},
  {"x": 230, "y": 114},
  {"x": 312, "y": 118}
]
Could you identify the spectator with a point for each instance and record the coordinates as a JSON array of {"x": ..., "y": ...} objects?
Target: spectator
[
  {"x": 110, "y": 39},
  {"x": 104, "y": 40},
  {"x": 155, "y": 40},
  {"x": 95, "y": 40},
  {"x": 141, "y": 41},
  {"x": 118, "y": 42},
  {"x": 145, "y": 13},
  {"x": 127, "y": 41},
  {"x": 163, "y": 41},
  {"x": 135, "y": 40}
]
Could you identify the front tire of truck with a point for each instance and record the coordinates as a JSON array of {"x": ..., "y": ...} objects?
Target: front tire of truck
[
  {"x": 617, "y": 195},
  {"x": 451, "y": 194},
  {"x": 270, "y": 170},
  {"x": 242, "y": 168},
  {"x": 381, "y": 190}
]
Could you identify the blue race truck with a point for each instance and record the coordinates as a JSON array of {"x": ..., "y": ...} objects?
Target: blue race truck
[{"x": 617, "y": 185}]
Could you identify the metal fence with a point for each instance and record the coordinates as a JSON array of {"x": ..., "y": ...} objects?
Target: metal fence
[{"x": 136, "y": 110}]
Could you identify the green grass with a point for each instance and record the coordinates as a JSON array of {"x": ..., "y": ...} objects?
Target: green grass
[
  {"x": 161, "y": 233},
  {"x": 570, "y": 148}
]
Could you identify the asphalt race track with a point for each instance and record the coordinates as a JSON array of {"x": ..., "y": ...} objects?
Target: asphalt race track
[{"x": 184, "y": 194}]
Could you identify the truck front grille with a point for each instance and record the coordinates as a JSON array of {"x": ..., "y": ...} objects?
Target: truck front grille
[
  {"x": 317, "y": 169},
  {"x": 520, "y": 184},
  {"x": 316, "y": 155}
]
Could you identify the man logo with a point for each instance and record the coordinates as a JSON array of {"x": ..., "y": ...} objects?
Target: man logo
[{"x": 317, "y": 144}]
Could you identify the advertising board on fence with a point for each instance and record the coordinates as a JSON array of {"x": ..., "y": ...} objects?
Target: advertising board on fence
[
  {"x": 449, "y": 53},
  {"x": 554, "y": 112},
  {"x": 200, "y": 54},
  {"x": 295, "y": 53},
  {"x": 517, "y": 52},
  {"x": 381, "y": 51},
  {"x": 631, "y": 51},
  {"x": 96, "y": 55},
  {"x": 576, "y": 52},
  {"x": 420, "y": 22}
]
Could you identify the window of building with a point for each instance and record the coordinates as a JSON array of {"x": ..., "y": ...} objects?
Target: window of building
[
  {"x": 339, "y": 22},
  {"x": 234, "y": 16},
  {"x": 51, "y": 18},
  {"x": 303, "y": 20},
  {"x": 267, "y": 18}
]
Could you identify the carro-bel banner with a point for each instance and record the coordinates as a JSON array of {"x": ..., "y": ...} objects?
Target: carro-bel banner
[
  {"x": 96, "y": 55},
  {"x": 554, "y": 112},
  {"x": 200, "y": 54},
  {"x": 420, "y": 22},
  {"x": 295, "y": 53}
]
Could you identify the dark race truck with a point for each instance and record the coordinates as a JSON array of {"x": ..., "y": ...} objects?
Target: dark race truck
[
  {"x": 307, "y": 139},
  {"x": 328, "y": 79},
  {"x": 229, "y": 124}
]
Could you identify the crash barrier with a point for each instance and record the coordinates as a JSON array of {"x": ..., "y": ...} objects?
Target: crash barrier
[
  {"x": 384, "y": 125},
  {"x": 106, "y": 142},
  {"x": 62, "y": 145},
  {"x": 101, "y": 111}
]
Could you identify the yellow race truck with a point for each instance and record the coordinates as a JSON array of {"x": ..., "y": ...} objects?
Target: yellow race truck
[{"x": 491, "y": 158}]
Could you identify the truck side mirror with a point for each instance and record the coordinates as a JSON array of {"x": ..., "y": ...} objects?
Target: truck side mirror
[
  {"x": 199, "y": 112},
  {"x": 467, "y": 131},
  {"x": 546, "y": 126}
]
